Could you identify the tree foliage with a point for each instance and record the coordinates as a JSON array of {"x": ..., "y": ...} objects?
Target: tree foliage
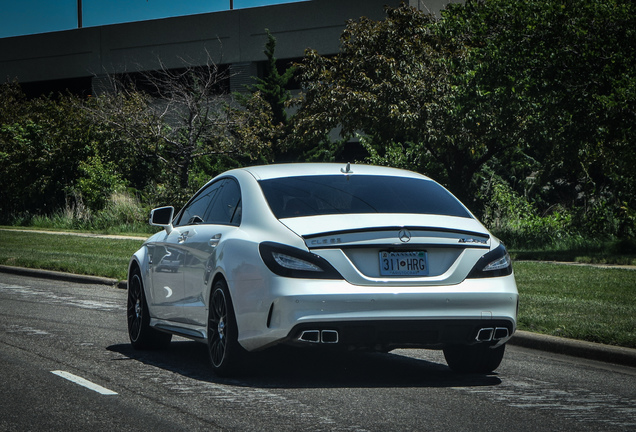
[
  {"x": 42, "y": 144},
  {"x": 524, "y": 109},
  {"x": 272, "y": 89},
  {"x": 538, "y": 95},
  {"x": 163, "y": 135},
  {"x": 273, "y": 86},
  {"x": 179, "y": 118},
  {"x": 566, "y": 69},
  {"x": 398, "y": 83}
]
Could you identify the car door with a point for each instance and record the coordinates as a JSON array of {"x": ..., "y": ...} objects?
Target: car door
[
  {"x": 205, "y": 245},
  {"x": 166, "y": 275},
  {"x": 168, "y": 256}
]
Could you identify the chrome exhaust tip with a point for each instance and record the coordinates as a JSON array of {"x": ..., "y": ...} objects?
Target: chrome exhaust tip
[
  {"x": 492, "y": 334},
  {"x": 501, "y": 333},
  {"x": 311, "y": 336},
  {"x": 319, "y": 336},
  {"x": 329, "y": 336},
  {"x": 485, "y": 334}
]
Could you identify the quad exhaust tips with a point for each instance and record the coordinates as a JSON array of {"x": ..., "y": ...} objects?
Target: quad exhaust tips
[
  {"x": 319, "y": 336},
  {"x": 492, "y": 334},
  {"x": 486, "y": 334}
]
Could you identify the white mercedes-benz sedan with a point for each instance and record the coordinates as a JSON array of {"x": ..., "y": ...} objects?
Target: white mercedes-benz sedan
[{"x": 323, "y": 256}]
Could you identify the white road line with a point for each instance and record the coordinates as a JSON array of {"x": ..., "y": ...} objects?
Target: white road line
[{"x": 84, "y": 383}]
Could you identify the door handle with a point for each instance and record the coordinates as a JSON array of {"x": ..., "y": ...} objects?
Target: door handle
[{"x": 214, "y": 241}]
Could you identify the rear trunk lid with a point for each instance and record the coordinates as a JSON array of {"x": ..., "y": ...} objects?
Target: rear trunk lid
[{"x": 395, "y": 249}]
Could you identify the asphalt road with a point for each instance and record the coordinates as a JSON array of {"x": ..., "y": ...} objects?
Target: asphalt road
[{"x": 54, "y": 334}]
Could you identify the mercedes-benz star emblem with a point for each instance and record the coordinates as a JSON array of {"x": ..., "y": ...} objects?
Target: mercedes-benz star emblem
[{"x": 404, "y": 236}]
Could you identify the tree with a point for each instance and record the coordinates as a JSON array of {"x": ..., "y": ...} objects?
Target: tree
[
  {"x": 568, "y": 69},
  {"x": 396, "y": 83},
  {"x": 177, "y": 118},
  {"x": 43, "y": 142},
  {"x": 541, "y": 93},
  {"x": 273, "y": 87}
]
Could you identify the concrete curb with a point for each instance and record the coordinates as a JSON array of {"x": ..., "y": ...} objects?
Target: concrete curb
[
  {"x": 554, "y": 344},
  {"x": 67, "y": 277},
  {"x": 576, "y": 348}
]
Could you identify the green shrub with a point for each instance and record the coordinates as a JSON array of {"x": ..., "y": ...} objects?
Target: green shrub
[
  {"x": 517, "y": 222},
  {"x": 98, "y": 183},
  {"x": 122, "y": 213}
]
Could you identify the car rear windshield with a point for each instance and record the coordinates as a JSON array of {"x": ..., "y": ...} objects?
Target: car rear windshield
[{"x": 339, "y": 194}]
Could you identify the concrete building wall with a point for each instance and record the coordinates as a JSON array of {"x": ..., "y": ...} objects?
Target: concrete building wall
[{"x": 234, "y": 37}]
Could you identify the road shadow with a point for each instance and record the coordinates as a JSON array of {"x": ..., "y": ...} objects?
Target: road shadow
[{"x": 287, "y": 367}]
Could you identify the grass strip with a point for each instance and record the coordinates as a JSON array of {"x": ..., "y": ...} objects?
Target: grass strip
[
  {"x": 578, "y": 302},
  {"x": 67, "y": 253}
]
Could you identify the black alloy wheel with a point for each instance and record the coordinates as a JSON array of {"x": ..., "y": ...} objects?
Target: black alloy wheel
[
  {"x": 141, "y": 335},
  {"x": 225, "y": 352}
]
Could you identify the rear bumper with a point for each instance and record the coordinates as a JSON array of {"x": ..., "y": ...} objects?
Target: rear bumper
[
  {"x": 386, "y": 317},
  {"x": 387, "y": 335}
]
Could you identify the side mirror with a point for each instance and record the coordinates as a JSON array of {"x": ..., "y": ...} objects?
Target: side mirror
[{"x": 162, "y": 217}]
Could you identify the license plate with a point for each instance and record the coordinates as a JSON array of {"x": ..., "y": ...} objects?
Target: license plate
[{"x": 411, "y": 263}]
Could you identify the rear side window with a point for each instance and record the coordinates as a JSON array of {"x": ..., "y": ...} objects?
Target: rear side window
[
  {"x": 194, "y": 212},
  {"x": 338, "y": 194},
  {"x": 226, "y": 208},
  {"x": 219, "y": 203}
]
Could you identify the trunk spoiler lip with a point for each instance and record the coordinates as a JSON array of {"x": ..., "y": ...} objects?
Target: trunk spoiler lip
[
  {"x": 484, "y": 236},
  {"x": 462, "y": 239}
]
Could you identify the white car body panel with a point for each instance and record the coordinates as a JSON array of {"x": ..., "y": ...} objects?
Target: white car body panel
[{"x": 268, "y": 307}]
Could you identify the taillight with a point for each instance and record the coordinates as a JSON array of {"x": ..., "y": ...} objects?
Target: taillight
[
  {"x": 288, "y": 261},
  {"x": 495, "y": 263}
]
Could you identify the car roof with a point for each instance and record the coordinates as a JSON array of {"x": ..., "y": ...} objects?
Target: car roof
[{"x": 265, "y": 172}]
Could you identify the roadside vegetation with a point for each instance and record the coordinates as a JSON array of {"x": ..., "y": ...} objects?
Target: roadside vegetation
[
  {"x": 67, "y": 253},
  {"x": 578, "y": 302},
  {"x": 524, "y": 110}
]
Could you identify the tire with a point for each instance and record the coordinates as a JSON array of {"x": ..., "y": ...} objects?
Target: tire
[
  {"x": 141, "y": 335},
  {"x": 226, "y": 354},
  {"x": 474, "y": 358}
]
